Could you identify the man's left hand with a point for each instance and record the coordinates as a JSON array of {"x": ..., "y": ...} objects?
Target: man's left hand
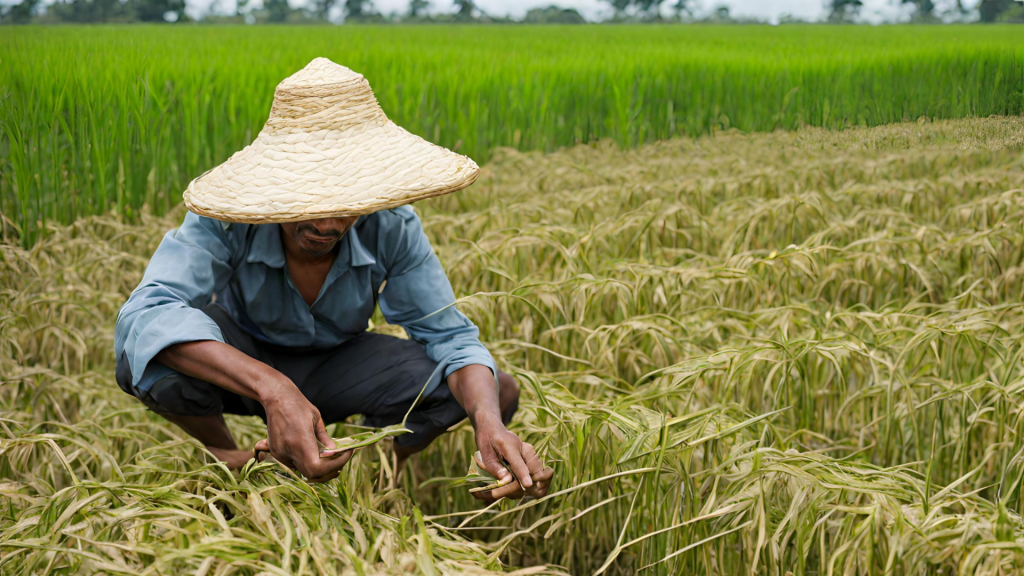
[{"x": 496, "y": 442}]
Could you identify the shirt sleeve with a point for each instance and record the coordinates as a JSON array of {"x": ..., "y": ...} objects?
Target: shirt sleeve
[
  {"x": 190, "y": 265},
  {"x": 418, "y": 296}
]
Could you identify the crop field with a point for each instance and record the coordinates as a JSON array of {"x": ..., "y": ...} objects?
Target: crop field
[
  {"x": 785, "y": 353},
  {"x": 94, "y": 119}
]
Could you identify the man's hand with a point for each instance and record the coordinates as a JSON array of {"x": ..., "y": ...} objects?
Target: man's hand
[
  {"x": 293, "y": 424},
  {"x": 496, "y": 443},
  {"x": 293, "y": 428},
  {"x": 474, "y": 388}
]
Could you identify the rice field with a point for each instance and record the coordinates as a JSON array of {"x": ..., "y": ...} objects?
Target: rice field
[
  {"x": 785, "y": 353},
  {"x": 115, "y": 118}
]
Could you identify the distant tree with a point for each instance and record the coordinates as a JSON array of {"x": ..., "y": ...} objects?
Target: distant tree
[
  {"x": 620, "y": 6},
  {"x": 277, "y": 10},
  {"x": 418, "y": 8},
  {"x": 88, "y": 11},
  {"x": 21, "y": 13},
  {"x": 787, "y": 18},
  {"x": 322, "y": 8},
  {"x": 157, "y": 10},
  {"x": 990, "y": 10},
  {"x": 553, "y": 15},
  {"x": 650, "y": 8},
  {"x": 924, "y": 9},
  {"x": 844, "y": 10},
  {"x": 357, "y": 9},
  {"x": 1012, "y": 15},
  {"x": 465, "y": 9},
  {"x": 683, "y": 6}
]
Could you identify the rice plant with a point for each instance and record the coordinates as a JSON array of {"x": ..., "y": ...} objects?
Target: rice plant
[
  {"x": 99, "y": 119},
  {"x": 786, "y": 353}
]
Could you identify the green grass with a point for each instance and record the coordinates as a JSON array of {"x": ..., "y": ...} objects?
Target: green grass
[
  {"x": 94, "y": 119},
  {"x": 790, "y": 353}
]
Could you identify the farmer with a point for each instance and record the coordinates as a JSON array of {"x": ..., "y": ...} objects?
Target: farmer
[{"x": 259, "y": 303}]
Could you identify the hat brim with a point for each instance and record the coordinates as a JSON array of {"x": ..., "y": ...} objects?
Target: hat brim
[{"x": 295, "y": 175}]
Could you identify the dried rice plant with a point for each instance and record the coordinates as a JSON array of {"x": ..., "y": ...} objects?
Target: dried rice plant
[{"x": 787, "y": 353}]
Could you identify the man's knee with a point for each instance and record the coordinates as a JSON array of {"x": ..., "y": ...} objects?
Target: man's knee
[
  {"x": 508, "y": 396},
  {"x": 508, "y": 388}
]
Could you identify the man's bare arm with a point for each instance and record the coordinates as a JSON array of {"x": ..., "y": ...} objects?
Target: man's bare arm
[
  {"x": 474, "y": 388},
  {"x": 227, "y": 367},
  {"x": 293, "y": 424}
]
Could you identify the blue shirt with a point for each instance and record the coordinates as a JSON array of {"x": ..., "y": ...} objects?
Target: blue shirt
[{"x": 384, "y": 258}]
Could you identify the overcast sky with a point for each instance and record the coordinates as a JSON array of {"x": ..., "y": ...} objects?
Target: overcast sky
[{"x": 771, "y": 10}]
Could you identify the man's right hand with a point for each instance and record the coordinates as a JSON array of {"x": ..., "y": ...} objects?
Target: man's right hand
[
  {"x": 293, "y": 423},
  {"x": 294, "y": 426}
]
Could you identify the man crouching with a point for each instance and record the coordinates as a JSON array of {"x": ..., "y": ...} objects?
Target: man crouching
[{"x": 259, "y": 303}]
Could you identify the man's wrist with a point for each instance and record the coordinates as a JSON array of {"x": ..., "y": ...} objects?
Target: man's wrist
[
  {"x": 272, "y": 386},
  {"x": 484, "y": 419},
  {"x": 474, "y": 387}
]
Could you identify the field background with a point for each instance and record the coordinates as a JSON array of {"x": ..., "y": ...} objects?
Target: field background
[
  {"x": 115, "y": 118},
  {"x": 794, "y": 352}
]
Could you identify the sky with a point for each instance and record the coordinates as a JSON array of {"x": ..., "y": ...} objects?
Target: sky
[{"x": 771, "y": 10}]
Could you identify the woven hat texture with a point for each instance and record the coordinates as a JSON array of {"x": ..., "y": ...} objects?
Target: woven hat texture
[{"x": 327, "y": 151}]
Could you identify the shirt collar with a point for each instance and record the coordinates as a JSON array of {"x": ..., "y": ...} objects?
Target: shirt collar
[
  {"x": 360, "y": 256},
  {"x": 266, "y": 247}
]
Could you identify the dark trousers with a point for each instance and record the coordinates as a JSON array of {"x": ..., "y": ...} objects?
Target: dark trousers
[{"x": 374, "y": 375}]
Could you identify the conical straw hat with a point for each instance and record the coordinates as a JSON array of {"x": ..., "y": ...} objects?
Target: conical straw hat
[{"x": 327, "y": 151}]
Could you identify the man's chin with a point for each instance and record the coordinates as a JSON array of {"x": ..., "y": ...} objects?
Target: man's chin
[{"x": 317, "y": 248}]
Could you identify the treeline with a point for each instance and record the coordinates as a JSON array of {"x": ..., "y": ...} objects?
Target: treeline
[
  {"x": 423, "y": 11},
  {"x": 267, "y": 11},
  {"x": 928, "y": 11}
]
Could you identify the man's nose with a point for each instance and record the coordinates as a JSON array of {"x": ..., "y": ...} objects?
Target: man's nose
[
  {"x": 329, "y": 225},
  {"x": 337, "y": 224}
]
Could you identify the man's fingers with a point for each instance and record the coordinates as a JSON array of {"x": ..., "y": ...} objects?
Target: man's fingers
[
  {"x": 513, "y": 455},
  {"x": 306, "y": 454},
  {"x": 321, "y": 434},
  {"x": 493, "y": 465},
  {"x": 534, "y": 477},
  {"x": 284, "y": 460},
  {"x": 301, "y": 452},
  {"x": 544, "y": 475},
  {"x": 533, "y": 462},
  {"x": 280, "y": 458},
  {"x": 261, "y": 451},
  {"x": 270, "y": 452},
  {"x": 346, "y": 456},
  {"x": 327, "y": 466},
  {"x": 513, "y": 490},
  {"x": 542, "y": 481}
]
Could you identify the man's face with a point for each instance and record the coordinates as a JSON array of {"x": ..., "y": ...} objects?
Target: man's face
[{"x": 318, "y": 237}]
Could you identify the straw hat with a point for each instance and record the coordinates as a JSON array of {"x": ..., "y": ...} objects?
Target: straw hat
[{"x": 327, "y": 151}]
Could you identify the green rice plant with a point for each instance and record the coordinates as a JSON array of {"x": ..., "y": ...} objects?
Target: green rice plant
[
  {"x": 99, "y": 119},
  {"x": 784, "y": 353}
]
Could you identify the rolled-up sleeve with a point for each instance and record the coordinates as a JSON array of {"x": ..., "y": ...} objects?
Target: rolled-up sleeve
[
  {"x": 191, "y": 264},
  {"x": 418, "y": 296}
]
